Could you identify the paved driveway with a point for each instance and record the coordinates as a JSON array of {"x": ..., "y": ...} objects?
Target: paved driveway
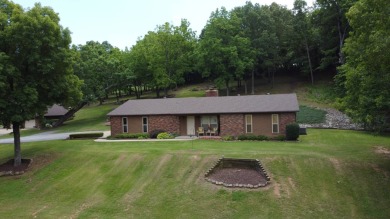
[{"x": 45, "y": 136}]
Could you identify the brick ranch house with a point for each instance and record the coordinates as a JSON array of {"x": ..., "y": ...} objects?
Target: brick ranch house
[{"x": 231, "y": 115}]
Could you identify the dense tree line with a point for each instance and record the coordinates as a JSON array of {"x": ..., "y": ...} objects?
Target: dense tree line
[
  {"x": 365, "y": 76},
  {"x": 239, "y": 45}
]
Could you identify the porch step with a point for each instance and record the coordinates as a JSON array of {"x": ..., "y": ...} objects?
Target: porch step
[{"x": 210, "y": 137}]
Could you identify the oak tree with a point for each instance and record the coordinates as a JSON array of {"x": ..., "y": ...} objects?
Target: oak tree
[{"x": 35, "y": 65}]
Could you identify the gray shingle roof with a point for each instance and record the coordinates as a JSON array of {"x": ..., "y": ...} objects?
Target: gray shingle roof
[
  {"x": 209, "y": 105},
  {"x": 56, "y": 110}
]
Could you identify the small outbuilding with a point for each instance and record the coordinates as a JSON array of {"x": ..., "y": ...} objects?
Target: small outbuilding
[{"x": 53, "y": 113}]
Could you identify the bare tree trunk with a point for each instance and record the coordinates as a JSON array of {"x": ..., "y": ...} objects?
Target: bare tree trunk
[
  {"x": 342, "y": 34},
  {"x": 308, "y": 58},
  {"x": 157, "y": 92},
  {"x": 117, "y": 96},
  {"x": 227, "y": 88},
  {"x": 17, "y": 150},
  {"x": 137, "y": 91},
  {"x": 246, "y": 87},
  {"x": 69, "y": 114},
  {"x": 273, "y": 78},
  {"x": 166, "y": 92},
  {"x": 253, "y": 82}
]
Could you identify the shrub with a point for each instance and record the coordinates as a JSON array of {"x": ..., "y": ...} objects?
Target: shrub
[
  {"x": 279, "y": 138},
  {"x": 262, "y": 138},
  {"x": 228, "y": 138},
  {"x": 86, "y": 135},
  {"x": 154, "y": 133},
  {"x": 246, "y": 137},
  {"x": 292, "y": 131},
  {"x": 132, "y": 136},
  {"x": 253, "y": 137},
  {"x": 164, "y": 135}
]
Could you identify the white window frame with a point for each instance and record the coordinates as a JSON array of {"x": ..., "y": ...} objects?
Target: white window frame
[
  {"x": 209, "y": 121},
  {"x": 246, "y": 123},
  {"x": 145, "y": 125},
  {"x": 125, "y": 125},
  {"x": 275, "y": 123}
]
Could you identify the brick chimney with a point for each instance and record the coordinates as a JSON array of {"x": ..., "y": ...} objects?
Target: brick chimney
[{"x": 212, "y": 93}]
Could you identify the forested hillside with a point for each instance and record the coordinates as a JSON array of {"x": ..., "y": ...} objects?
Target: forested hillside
[{"x": 341, "y": 39}]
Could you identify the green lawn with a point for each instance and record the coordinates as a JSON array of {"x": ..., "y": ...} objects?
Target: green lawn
[
  {"x": 328, "y": 174},
  {"x": 191, "y": 91}
]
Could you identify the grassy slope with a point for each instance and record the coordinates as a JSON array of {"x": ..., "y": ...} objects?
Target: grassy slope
[
  {"x": 328, "y": 174},
  {"x": 89, "y": 118}
]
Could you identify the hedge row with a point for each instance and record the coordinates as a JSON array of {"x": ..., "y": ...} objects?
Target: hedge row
[
  {"x": 86, "y": 135},
  {"x": 132, "y": 136},
  {"x": 252, "y": 138},
  {"x": 256, "y": 138}
]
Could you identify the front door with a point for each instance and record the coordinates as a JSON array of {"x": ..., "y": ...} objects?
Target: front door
[{"x": 190, "y": 125}]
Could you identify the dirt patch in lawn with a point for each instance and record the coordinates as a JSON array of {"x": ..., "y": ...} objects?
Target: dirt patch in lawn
[
  {"x": 238, "y": 173},
  {"x": 8, "y": 168},
  {"x": 336, "y": 164},
  {"x": 382, "y": 150}
]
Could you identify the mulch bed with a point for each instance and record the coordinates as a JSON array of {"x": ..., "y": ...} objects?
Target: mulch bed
[
  {"x": 237, "y": 176},
  {"x": 8, "y": 167}
]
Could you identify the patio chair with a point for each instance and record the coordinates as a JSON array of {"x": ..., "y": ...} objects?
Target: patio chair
[
  {"x": 213, "y": 131},
  {"x": 200, "y": 131}
]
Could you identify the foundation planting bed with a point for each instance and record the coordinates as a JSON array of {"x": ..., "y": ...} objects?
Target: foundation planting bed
[{"x": 238, "y": 173}]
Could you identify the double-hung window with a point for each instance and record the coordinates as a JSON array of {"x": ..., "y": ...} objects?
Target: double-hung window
[
  {"x": 248, "y": 123},
  {"x": 125, "y": 125},
  {"x": 275, "y": 123},
  {"x": 209, "y": 122},
  {"x": 144, "y": 124}
]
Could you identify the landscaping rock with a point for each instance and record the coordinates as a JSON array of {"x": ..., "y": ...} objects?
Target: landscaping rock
[{"x": 334, "y": 119}]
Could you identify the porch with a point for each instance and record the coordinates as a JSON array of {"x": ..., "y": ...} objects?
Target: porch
[
  {"x": 200, "y": 125},
  {"x": 210, "y": 137}
]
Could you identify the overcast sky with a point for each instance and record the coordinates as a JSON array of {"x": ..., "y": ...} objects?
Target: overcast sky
[{"x": 121, "y": 22}]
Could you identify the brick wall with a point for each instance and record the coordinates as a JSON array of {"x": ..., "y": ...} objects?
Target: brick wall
[
  {"x": 285, "y": 119},
  {"x": 212, "y": 93},
  {"x": 232, "y": 124},
  {"x": 116, "y": 125},
  {"x": 167, "y": 123}
]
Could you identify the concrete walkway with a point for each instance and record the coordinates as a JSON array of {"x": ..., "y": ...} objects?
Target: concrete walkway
[
  {"x": 179, "y": 138},
  {"x": 48, "y": 136},
  {"x": 53, "y": 135}
]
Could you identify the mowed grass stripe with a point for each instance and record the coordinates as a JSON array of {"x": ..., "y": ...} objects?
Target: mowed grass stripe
[{"x": 327, "y": 174}]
